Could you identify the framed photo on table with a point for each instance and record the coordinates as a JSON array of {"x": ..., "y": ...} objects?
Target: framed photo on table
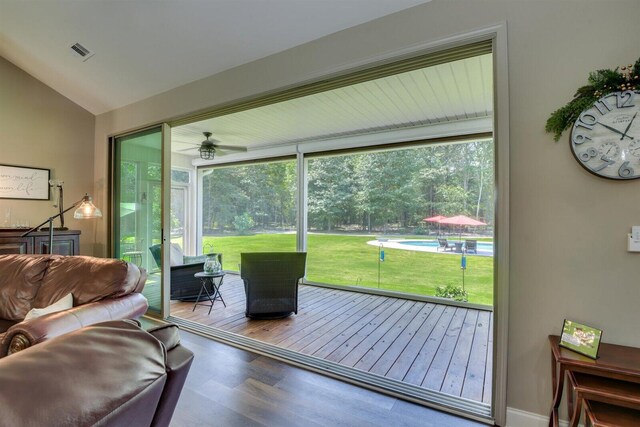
[
  {"x": 581, "y": 338},
  {"x": 18, "y": 182}
]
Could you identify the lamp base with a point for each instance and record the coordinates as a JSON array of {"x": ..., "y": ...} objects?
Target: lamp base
[{"x": 55, "y": 228}]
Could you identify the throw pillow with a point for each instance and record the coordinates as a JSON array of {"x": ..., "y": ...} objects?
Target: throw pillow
[
  {"x": 64, "y": 303},
  {"x": 175, "y": 255}
]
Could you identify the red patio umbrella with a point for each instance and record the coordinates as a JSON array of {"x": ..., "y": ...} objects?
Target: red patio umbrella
[
  {"x": 437, "y": 219},
  {"x": 461, "y": 220}
]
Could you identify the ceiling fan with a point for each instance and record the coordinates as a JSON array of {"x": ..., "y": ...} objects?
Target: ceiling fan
[{"x": 209, "y": 147}]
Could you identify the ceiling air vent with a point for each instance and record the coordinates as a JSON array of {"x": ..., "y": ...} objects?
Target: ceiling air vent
[{"x": 82, "y": 51}]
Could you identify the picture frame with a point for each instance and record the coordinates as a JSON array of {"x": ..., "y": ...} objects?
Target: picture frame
[
  {"x": 581, "y": 338},
  {"x": 24, "y": 183}
]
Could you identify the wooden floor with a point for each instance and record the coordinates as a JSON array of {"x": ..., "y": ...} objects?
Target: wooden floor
[
  {"x": 231, "y": 387},
  {"x": 438, "y": 347}
]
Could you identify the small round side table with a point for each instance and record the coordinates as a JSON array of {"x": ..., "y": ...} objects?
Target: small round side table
[{"x": 215, "y": 289}]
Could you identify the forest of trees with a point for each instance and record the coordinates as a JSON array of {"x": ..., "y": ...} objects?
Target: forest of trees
[{"x": 391, "y": 190}]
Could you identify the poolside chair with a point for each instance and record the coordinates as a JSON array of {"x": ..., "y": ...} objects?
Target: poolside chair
[
  {"x": 184, "y": 286},
  {"x": 271, "y": 282},
  {"x": 471, "y": 246},
  {"x": 444, "y": 245}
]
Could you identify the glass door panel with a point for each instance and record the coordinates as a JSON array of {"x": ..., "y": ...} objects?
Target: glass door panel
[{"x": 138, "y": 205}]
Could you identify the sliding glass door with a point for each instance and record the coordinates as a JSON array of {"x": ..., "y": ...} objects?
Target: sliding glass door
[{"x": 137, "y": 206}]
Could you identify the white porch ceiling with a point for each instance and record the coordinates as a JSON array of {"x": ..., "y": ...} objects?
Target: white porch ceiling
[
  {"x": 422, "y": 101},
  {"x": 145, "y": 47}
]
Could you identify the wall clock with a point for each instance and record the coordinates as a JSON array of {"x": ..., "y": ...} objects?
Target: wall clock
[{"x": 605, "y": 139}]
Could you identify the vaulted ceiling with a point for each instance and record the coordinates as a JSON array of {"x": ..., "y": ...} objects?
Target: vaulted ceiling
[{"x": 145, "y": 47}]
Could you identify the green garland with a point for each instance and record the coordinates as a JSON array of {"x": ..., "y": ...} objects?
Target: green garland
[{"x": 601, "y": 82}]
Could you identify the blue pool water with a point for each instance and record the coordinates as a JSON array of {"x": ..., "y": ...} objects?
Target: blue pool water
[{"x": 482, "y": 246}]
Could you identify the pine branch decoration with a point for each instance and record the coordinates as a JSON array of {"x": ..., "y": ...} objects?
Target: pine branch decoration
[{"x": 601, "y": 82}]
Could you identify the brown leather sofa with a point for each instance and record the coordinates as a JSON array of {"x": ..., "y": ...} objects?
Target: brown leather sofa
[
  {"x": 107, "y": 374},
  {"x": 103, "y": 289}
]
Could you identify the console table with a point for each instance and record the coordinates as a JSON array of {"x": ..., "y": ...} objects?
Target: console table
[
  {"x": 65, "y": 242},
  {"x": 615, "y": 362}
]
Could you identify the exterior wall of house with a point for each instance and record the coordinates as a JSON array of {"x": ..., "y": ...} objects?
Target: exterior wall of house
[
  {"x": 568, "y": 228},
  {"x": 41, "y": 128}
]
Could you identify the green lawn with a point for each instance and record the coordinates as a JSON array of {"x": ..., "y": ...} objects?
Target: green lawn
[{"x": 348, "y": 260}]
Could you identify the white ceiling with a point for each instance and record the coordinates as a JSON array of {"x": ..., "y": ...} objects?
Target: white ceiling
[
  {"x": 145, "y": 47},
  {"x": 449, "y": 93}
]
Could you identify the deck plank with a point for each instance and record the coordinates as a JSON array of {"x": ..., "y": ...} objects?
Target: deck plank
[
  {"x": 426, "y": 344},
  {"x": 456, "y": 373},
  {"x": 385, "y": 309},
  {"x": 394, "y": 321},
  {"x": 381, "y": 364},
  {"x": 403, "y": 363},
  {"x": 275, "y": 331},
  {"x": 422, "y": 361},
  {"x": 337, "y": 329},
  {"x": 488, "y": 375},
  {"x": 438, "y": 369},
  {"x": 314, "y": 331},
  {"x": 476, "y": 366}
]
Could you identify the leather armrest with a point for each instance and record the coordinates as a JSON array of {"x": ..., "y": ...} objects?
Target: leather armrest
[
  {"x": 30, "y": 332},
  {"x": 179, "y": 361},
  {"x": 167, "y": 334},
  {"x": 111, "y": 374}
]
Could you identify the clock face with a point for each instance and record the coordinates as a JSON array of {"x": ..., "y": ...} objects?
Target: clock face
[{"x": 606, "y": 137}]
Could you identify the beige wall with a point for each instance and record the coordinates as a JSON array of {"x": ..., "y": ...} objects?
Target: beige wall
[
  {"x": 41, "y": 128},
  {"x": 567, "y": 236}
]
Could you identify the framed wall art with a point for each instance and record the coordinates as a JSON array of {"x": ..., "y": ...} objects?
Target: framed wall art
[
  {"x": 580, "y": 338},
  {"x": 23, "y": 183}
]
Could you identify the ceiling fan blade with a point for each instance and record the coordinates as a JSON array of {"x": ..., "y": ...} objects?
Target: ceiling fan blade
[
  {"x": 188, "y": 149},
  {"x": 230, "y": 147}
]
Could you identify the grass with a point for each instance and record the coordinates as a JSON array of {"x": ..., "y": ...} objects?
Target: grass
[{"x": 348, "y": 260}]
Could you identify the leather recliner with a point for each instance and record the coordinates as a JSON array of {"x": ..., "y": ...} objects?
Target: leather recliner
[
  {"x": 107, "y": 374},
  {"x": 102, "y": 288}
]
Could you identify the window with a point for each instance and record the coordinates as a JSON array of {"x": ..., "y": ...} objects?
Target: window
[
  {"x": 366, "y": 216},
  {"x": 248, "y": 208}
]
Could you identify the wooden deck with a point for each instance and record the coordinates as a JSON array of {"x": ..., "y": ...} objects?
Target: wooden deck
[{"x": 438, "y": 347}]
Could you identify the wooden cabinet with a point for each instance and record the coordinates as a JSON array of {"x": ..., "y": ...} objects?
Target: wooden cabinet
[{"x": 65, "y": 242}]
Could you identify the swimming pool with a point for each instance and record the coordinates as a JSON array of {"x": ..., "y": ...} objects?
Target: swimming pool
[{"x": 485, "y": 246}]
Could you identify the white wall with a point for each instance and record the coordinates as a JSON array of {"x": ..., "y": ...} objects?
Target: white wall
[
  {"x": 567, "y": 246},
  {"x": 41, "y": 128}
]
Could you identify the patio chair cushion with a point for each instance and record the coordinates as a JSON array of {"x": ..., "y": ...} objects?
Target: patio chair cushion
[{"x": 175, "y": 255}]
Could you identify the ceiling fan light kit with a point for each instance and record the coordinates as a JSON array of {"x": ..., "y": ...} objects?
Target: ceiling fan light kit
[{"x": 207, "y": 149}]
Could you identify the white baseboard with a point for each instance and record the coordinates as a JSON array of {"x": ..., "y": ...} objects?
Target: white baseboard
[{"x": 518, "y": 418}]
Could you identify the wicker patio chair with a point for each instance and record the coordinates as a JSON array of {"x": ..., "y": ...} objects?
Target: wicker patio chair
[
  {"x": 444, "y": 245},
  {"x": 184, "y": 286},
  {"x": 471, "y": 246},
  {"x": 271, "y": 282}
]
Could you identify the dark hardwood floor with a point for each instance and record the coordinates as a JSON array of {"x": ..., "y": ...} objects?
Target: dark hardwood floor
[{"x": 231, "y": 387}]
